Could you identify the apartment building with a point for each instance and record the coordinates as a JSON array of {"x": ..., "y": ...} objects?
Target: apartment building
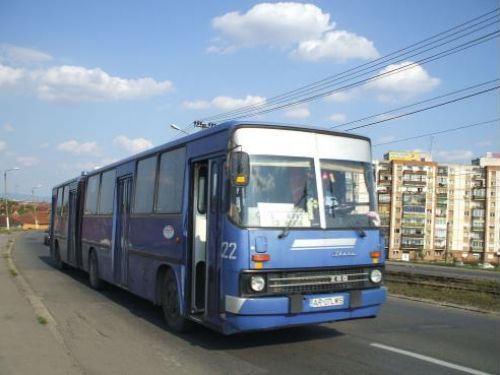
[{"x": 432, "y": 211}]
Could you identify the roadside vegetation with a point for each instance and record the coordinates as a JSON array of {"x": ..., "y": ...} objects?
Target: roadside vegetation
[{"x": 467, "y": 293}]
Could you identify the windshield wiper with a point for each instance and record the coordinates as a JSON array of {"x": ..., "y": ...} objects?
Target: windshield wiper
[{"x": 294, "y": 215}]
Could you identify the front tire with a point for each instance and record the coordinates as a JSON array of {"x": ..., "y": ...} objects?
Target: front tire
[
  {"x": 94, "y": 280},
  {"x": 170, "y": 304}
]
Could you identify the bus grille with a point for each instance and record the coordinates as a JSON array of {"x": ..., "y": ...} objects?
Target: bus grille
[{"x": 313, "y": 282}]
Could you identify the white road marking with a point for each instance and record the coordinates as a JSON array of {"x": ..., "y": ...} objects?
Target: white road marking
[{"x": 429, "y": 359}]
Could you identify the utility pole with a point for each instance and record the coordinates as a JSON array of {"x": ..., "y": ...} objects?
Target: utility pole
[
  {"x": 34, "y": 203},
  {"x": 7, "y": 223}
]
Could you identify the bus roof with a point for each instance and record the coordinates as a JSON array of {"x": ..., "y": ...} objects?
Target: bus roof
[{"x": 229, "y": 125}]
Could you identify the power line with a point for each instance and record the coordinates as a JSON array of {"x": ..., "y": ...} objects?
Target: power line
[
  {"x": 437, "y": 56},
  {"x": 371, "y": 64},
  {"x": 415, "y": 104},
  {"x": 425, "y": 109},
  {"x": 438, "y": 132}
]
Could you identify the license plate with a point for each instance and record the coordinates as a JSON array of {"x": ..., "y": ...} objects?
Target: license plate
[{"x": 326, "y": 301}]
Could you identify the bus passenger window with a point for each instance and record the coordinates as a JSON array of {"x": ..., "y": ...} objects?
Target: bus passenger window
[
  {"x": 202, "y": 190},
  {"x": 145, "y": 185}
]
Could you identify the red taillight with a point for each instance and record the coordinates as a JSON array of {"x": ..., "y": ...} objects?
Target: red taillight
[{"x": 375, "y": 254}]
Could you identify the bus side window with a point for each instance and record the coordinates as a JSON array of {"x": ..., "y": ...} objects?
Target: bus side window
[
  {"x": 202, "y": 190},
  {"x": 213, "y": 194}
]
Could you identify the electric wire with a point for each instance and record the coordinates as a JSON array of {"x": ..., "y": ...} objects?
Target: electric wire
[
  {"x": 424, "y": 109},
  {"x": 440, "y": 55},
  {"x": 415, "y": 104},
  {"x": 329, "y": 79},
  {"x": 368, "y": 65},
  {"x": 489, "y": 122}
]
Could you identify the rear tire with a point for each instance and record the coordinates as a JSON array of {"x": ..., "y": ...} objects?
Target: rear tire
[
  {"x": 94, "y": 280},
  {"x": 170, "y": 303},
  {"x": 58, "y": 263}
]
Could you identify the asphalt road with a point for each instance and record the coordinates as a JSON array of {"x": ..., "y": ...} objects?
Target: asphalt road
[
  {"x": 434, "y": 270},
  {"x": 113, "y": 332}
]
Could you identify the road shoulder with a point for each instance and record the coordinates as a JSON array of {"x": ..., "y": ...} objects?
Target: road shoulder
[{"x": 27, "y": 344}]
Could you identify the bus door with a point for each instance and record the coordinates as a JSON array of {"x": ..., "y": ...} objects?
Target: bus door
[
  {"x": 214, "y": 232},
  {"x": 72, "y": 227},
  {"x": 120, "y": 251},
  {"x": 206, "y": 185}
]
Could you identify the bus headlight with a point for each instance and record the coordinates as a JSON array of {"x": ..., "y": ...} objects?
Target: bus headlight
[
  {"x": 257, "y": 283},
  {"x": 375, "y": 276}
]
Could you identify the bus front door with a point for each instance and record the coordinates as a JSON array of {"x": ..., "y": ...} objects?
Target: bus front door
[
  {"x": 207, "y": 187},
  {"x": 120, "y": 252}
]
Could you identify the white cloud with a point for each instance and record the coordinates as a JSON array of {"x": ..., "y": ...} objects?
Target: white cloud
[
  {"x": 85, "y": 166},
  {"x": 337, "y": 45},
  {"x": 45, "y": 145},
  {"x": 338, "y": 118},
  {"x": 20, "y": 55},
  {"x": 3, "y": 145},
  {"x": 132, "y": 144},
  {"x": 275, "y": 24},
  {"x": 10, "y": 76},
  {"x": 8, "y": 128},
  {"x": 196, "y": 104},
  {"x": 453, "y": 155},
  {"x": 75, "y": 83},
  {"x": 304, "y": 28},
  {"x": 27, "y": 161},
  {"x": 224, "y": 102},
  {"x": 341, "y": 96},
  {"x": 405, "y": 83},
  {"x": 228, "y": 103},
  {"x": 75, "y": 147},
  {"x": 298, "y": 112}
]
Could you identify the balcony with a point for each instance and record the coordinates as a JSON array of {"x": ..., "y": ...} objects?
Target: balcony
[
  {"x": 414, "y": 182},
  {"x": 479, "y": 194},
  {"x": 412, "y": 224},
  {"x": 478, "y": 226},
  {"x": 477, "y": 245}
]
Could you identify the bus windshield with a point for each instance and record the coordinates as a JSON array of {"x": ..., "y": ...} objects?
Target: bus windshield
[
  {"x": 347, "y": 193},
  {"x": 282, "y": 193}
]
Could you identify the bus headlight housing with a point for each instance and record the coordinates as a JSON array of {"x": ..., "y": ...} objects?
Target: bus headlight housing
[
  {"x": 257, "y": 283},
  {"x": 376, "y": 276}
]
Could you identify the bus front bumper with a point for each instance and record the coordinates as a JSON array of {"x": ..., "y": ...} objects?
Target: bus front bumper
[{"x": 246, "y": 314}]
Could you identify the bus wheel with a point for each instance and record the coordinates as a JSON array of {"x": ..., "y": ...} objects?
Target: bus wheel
[
  {"x": 57, "y": 258},
  {"x": 170, "y": 304},
  {"x": 94, "y": 280}
]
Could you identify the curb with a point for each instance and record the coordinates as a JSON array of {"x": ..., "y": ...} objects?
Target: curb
[{"x": 36, "y": 302}]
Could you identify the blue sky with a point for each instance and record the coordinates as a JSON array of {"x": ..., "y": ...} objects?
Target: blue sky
[{"x": 86, "y": 83}]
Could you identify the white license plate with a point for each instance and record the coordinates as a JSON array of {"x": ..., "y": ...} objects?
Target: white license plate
[{"x": 326, "y": 301}]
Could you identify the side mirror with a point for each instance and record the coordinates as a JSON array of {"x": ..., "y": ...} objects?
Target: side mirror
[{"x": 240, "y": 168}]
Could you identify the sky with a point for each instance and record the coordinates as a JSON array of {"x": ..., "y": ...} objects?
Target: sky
[{"x": 83, "y": 84}]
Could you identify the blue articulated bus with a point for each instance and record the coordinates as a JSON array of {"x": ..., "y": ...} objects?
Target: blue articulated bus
[{"x": 240, "y": 227}]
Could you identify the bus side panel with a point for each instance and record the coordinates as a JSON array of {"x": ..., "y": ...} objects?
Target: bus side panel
[
  {"x": 153, "y": 241},
  {"x": 96, "y": 234},
  {"x": 235, "y": 257}
]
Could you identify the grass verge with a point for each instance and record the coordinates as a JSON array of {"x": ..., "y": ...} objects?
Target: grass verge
[
  {"x": 466, "y": 298},
  {"x": 13, "y": 272}
]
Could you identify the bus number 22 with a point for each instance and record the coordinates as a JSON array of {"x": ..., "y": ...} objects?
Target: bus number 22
[{"x": 228, "y": 250}]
